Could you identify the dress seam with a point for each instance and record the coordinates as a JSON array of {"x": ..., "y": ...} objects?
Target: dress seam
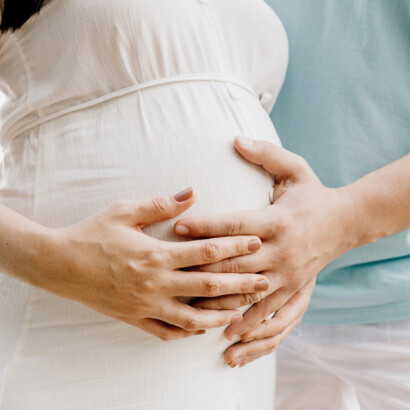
[{"x": 135, "y": 88}]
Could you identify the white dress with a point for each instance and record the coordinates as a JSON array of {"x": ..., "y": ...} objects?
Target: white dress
[{"x": 129, "y": 99}]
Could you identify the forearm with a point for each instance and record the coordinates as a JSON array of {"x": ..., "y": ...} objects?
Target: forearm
[
  {"x": 380, "y": 202},
  {"x": 23, "y": 244}
]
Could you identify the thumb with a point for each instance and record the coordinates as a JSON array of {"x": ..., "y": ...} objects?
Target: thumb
[
  {"x": 148, "y": 211},
  {"x": 276, "y": 160}
]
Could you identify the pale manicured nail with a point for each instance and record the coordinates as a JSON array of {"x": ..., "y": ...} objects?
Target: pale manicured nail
[
  {"x": 245, "y": 142},
  {"x": 261, "y": 285},
  {"x": 181, "y": 230},
  {"x": 237, "y": 318},
  {"x": 254, "y": 245},
  {"x": 184, "y": 195}
]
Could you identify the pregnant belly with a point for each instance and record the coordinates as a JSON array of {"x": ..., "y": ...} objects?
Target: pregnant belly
[
  {"x": 141, "y": 145},
  {"x": 152, "y": 143}
]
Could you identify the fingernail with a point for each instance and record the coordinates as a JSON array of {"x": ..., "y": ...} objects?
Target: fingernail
[
  {"x": 261, "y": 285},
  {"x": 184, "y": 195},
  {"x": 254, "y": 245},
  {"x": 237, "y": 318},
  {"x": 234, "y": 363},
  {"x": 200, "y": 332},
  {"x": 245, "y": 142},
  {"x": 181, "y": 230}
]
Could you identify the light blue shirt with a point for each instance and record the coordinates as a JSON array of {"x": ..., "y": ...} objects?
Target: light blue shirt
[{"x": 345, "y": 107}]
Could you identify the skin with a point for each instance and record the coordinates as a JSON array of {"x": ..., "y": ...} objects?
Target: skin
[
  {"x": 307, "y": 227},
  {"x": 291, "y": 256},
  {"x": 109, "y": 264}
]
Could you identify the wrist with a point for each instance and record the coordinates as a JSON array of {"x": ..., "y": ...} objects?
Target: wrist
[
  {"x": 38, "y": 253},
  {"x": 357, "y": 221}
]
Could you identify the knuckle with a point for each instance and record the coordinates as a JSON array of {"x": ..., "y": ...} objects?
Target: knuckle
[
  {"x": 161, "y": 205},
  {"x": 231, "y": 266},
  {"x": 246, "y": 285},
  {"x": 156, "y": 257},
  {"x": 251, "y": 298},
  {"x": 148, "y": 286},
  {"x": 271, "y": 346},
  {"x": 285, "y": 254},
  {"x": 219, "y": 304},
  {"x": 191, "y": 324},
  {"x": 300, "y": 164},
  {"x": 235, "y": 226},
  {"x": 211, "y": 252},
  {"x": 212, "y": 288},
  {"x": 282, "y": 225},
  {"x": 241, "y": 247}
]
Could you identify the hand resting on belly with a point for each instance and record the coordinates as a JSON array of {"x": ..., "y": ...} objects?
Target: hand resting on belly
[{"x": 109, "y": 264}]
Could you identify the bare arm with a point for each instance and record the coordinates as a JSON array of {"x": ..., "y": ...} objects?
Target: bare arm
[{"x": 380, "y": 202}]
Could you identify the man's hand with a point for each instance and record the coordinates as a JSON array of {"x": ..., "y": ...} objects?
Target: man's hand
[
  {"x": 266, "y": 337},
  {"x": 307, "y": 227}
]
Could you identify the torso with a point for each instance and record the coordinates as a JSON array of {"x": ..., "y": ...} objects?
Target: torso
[{"x": 142, "y": 99}]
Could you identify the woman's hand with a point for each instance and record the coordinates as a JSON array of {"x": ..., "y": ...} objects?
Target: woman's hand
[
  {"x": 107, "y": 263},
  {"x": 306, "y": 228}
]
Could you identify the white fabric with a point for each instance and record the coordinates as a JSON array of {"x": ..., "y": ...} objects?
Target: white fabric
[
  {"x": 346, "y": 367},
  {"x": 125, "y": 100}
]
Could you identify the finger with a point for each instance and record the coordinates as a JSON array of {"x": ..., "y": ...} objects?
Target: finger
[
  {"x": 258, "y": 313},
  {"x": 234, "y": 301},
  {"x": 229, "y": 302},
  {"x": 148, "y": 211},
  {"x": 273, "y": 158},
  {"x": 232, "y": 224},
  {"x": 192, "y": 320},
  {"x": 253, "y": 263},
  {"x": 210, "y": 285},
  {"x": 165, "y": 331},
  {"x": 293, "y": 310},
  {"x": 243, "y": 353},
  {"x": 200, "y": 252}
]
